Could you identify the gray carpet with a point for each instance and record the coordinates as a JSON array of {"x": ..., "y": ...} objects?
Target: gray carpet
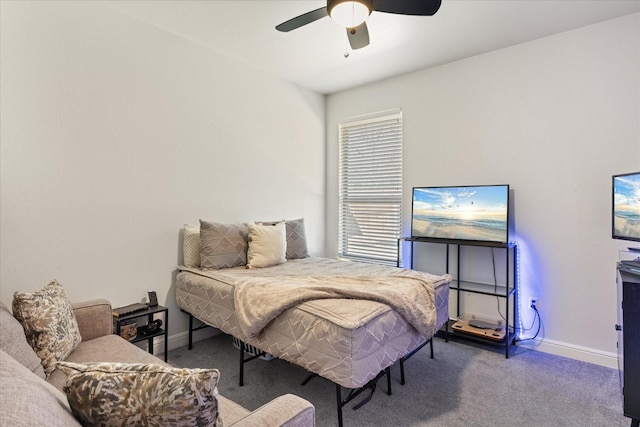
[{"x": 465, "y": 385}]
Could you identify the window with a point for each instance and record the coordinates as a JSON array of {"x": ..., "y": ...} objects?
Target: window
[{"x": 370, "y": 205}]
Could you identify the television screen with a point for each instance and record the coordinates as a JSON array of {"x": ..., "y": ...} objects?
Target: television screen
[
  {"x": 626, "y": 207},
  {"x": 478, "y": 213}
]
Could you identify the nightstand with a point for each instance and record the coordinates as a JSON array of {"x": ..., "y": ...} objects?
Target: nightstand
[{"x": 121, "y": 321}]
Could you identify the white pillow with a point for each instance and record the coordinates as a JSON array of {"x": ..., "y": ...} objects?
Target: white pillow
[
  {"x": 267, "y": 245},
  {"x": 191, "y": 246}
]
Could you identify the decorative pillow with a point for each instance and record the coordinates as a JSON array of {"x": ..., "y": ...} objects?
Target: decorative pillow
[
  {"x": 49, "y": 323},
  {"x": 116, "y": 394},
  {"x": 267, "y": 245},
  {"x": 191, "y": 246},
  {"x": 296, "y": 239},
  {"x": 13, "y": 341},
  {"x": 28, "y": 400},
  {"x": 222, "y": 245}
]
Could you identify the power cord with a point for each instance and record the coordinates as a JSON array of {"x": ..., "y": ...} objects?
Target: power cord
[
  {"x": 535, "y": 317},
  {"x": 495, "y": 284}
]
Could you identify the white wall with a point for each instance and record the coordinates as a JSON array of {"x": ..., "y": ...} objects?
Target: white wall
[
  {"x": 554, "y": 118},
  {"x": 114, "y": 134}
]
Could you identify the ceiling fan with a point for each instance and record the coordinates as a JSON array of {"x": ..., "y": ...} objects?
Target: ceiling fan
[{"x": 353, "y": 14}]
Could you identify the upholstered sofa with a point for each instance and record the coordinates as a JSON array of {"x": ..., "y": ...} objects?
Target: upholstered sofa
[{"x": 28, "y": 399}]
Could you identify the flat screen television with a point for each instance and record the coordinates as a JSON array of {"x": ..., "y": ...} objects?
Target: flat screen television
[
  {"x": 625, "y": 213},
  {"x": 473, "y": 213}
]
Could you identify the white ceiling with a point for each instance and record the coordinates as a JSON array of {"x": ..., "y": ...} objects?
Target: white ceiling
[{"x": 313, "y": 56}]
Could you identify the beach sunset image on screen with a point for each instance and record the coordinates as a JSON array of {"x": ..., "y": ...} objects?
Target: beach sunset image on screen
[
  {"x": 478, "y": 213},
  {"x": 626, "y": 206}
]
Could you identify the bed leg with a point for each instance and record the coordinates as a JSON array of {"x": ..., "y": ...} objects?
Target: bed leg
[
  {"x": 339, "y": 396},
  {"x": 309, "y": 378},
  {"x": 446, "y": 331},
  {"x": 190, "y": 331},
  {"x": 241, "y": 379},
  {"x": 411, "y": 353},
  {"x": 387, "y": 371}
]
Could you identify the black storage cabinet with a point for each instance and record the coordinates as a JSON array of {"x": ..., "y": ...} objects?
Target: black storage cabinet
[{"x": 629, "y": 340}]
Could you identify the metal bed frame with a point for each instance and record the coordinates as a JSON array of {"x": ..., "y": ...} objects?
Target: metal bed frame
[{"x": 353, "y": 393}]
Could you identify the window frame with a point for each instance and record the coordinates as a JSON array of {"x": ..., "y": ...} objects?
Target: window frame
[{"x": 370, "y": 178}]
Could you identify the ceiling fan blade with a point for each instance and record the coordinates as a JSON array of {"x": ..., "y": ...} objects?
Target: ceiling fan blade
[
  {"x": 358, "y": 36},
  {"x": 408, "y": 7},
  {"x": 304, "y": 19}
]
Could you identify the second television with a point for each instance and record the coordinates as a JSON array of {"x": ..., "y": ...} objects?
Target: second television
[{"x": 473, "y": 213}]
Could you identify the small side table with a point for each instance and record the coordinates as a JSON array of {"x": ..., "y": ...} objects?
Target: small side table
[{"x": 140, "y": 336}]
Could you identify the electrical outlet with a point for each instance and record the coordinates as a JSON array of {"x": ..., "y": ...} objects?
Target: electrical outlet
[{"x": 534, "y": 303}]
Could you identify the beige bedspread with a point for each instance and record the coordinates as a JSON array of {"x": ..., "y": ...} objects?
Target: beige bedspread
[
  {"x": 317, "y": 335},
  {"x": 259, "y": 300}
]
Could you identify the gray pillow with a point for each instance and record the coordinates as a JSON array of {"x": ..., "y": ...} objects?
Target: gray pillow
[
  {"x": 296, "y": 239},
  {"x": 14, "y": 342},
  {"x": 28, "y": 400},
  {"x": 222, "y": 245}
]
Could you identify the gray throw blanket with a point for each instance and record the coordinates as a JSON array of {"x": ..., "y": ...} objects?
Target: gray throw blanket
[{"x": 259, "y": 300}]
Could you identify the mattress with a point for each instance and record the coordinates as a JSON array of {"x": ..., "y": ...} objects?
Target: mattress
[{"x": 347, "y": 341}]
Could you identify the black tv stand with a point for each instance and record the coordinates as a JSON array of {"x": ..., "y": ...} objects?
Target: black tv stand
[{"x": 507, "y": 290}]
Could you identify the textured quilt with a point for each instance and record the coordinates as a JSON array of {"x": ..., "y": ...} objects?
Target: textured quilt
[
  {"x": 259, "y": 300},
  {"x": 341, "y": 338}
]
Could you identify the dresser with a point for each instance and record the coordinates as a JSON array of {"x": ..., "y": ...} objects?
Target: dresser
[{"x": 628, "y": 327}]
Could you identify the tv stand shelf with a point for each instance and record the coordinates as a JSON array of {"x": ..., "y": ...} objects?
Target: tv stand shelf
[
  {"x": 481, "y": 288},
  {"x": 507, "y": 290}
]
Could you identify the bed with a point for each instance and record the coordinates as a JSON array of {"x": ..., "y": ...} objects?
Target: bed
[{"x": 348, "y": 339}]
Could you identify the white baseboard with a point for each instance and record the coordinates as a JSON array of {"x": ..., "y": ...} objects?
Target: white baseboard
[
  {"x": 181, "y": 339},
  {"x": 584, "y": 354}
]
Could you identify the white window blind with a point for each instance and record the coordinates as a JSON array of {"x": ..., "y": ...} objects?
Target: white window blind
[{"x": 370, "y": 205}]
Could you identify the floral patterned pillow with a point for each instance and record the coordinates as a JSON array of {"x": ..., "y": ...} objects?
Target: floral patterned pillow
[
  {"x": 115, "y": 394},
  {"x": 49, "y": 323}
]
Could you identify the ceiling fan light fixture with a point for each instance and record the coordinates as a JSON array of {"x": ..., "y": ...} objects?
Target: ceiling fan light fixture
[{"x": 349, "y": 14}]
